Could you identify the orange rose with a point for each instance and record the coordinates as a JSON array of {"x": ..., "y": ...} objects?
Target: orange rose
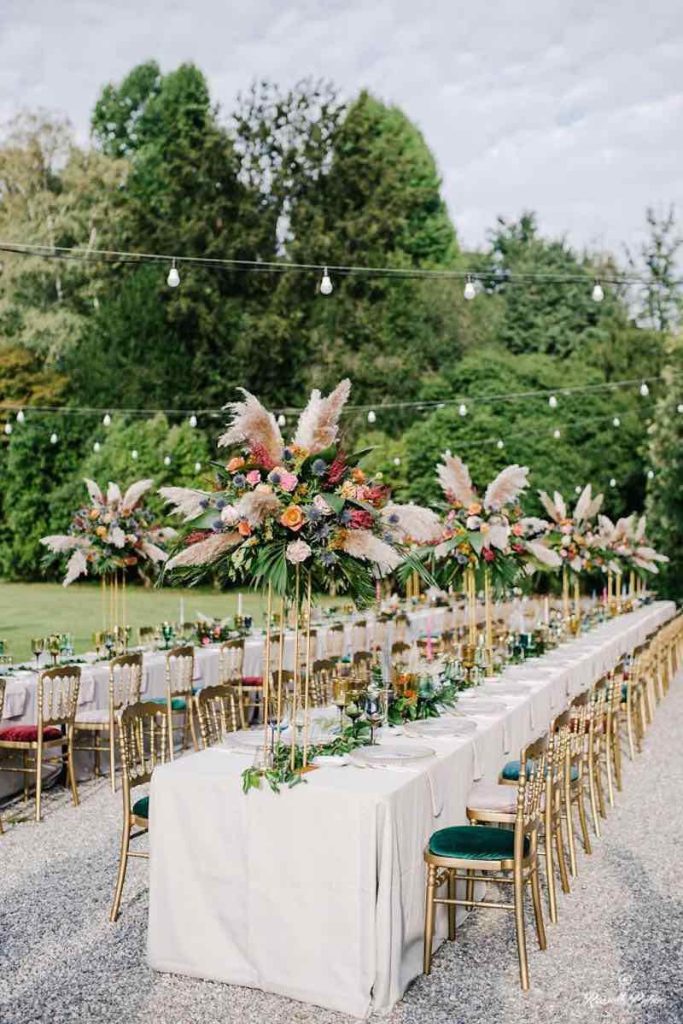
[
  {"x": 244, "y": 529},
  {"x": 101, "y": 531},
  {"x": 94, "y": 513},
  {"x": 235, "y": 464},
  {"x": 474, "y": 509},
  {"x": 357, "y": 475},
  {"x": 293, "y": 517}
]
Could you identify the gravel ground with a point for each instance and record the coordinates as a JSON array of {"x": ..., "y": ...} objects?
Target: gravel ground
[{"x": 616, "y": 954}]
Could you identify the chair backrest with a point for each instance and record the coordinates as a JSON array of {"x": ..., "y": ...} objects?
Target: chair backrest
[
  {"x": 218, "y": 712},
  {"x": 3, "y": 684},
  {"x": 359, "y": 635},
  {"x": 58, "y": 695},
  {"x": 320, "y": 684},
  {"x": 334, "y": 642},
  {"x": 180, "y": 670},
  {"x": 231, "y": 661},
  {"x": 146, "y": 635},
  {"x": 530, "y": 789},
  {"x": 125, "y": 680},
  {"x": 142, "y": 743},
  {"x": 400, "y": 628}
]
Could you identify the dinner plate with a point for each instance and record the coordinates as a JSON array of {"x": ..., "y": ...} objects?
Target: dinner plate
[
  {"x": 441, "y": 727},
  {"x": 390, "y": 755}
]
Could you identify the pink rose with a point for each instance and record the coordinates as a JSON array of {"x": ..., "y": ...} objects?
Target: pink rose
[
  {"x": 288, "y": 481},
  {"x": 298, "y": 551},
  {"x": 489, "y": 554},
  {"x": 253, "y": 477},
  {"x": 518, "y": 529}
]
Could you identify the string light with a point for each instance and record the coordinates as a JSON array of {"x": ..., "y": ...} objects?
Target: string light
[
  {"x": 282, "y": 420},
  {"x": 597, "y": 294},
  {"x": 53, "y": 438},
  {"x": 577, "y": 489},
  {"x": 197, "y": 467},
  {"x": 326, "y": 286},
  {"x": 616, "y": 422},
  {"x": 470, "y": 291},
  {"x": 552, "y": 402},
  {"x": 679, "y": 408},
  {"x": 644, "y": 390},
  {"x": 612, "y": 482},
  {"x": 96, "y": 447},
  {"x": 557, "y": 433},
  {"x": 8, "y": 428},
  {"x": 106, "y": 420},
  {"x": 193, "y": 420},
  {"x": 173, "y": 279},
  {"x": 462, "y": 409},
  {"x": 167, "y": 460},
  {"x": 650, "y": 474},
  {"x": 397, "y": 461},
  {"x": 21, "y": 416},
  {"x": 500, "y": 443},
  {"x": 134, "y": 454},
  {"x": 372, "y": 416}
]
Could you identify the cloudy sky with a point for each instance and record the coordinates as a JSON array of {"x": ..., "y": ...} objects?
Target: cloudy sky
[{"x": 573, "y": 108}]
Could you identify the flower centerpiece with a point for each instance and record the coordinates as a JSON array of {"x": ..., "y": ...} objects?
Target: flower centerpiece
[
  {"x": 305, "y": 507},
  {"x": 627, "y": 549},
  {"x": 113, "y": 534},
  {"x": 573, "y": 537}
]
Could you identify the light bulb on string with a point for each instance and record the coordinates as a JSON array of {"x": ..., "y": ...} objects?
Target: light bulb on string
[
  {"x": 577, "y": 489},
  {"x": 372, "y": 416},
  {"x": 197, "y": 467},
  {"x": 616, "y": 422},
  {"x": 397, "y": 461},
  {"x": 193, "y": 420},
  {"x": 470, "y": 292},
  {"x": 679, "y": 408},
  {"x": 326, "y": 286},
  {"x": 462, "y": 409},
  {"x": 552, "y": 402},
  {"x": 650, "y": 474},
  {"x": 282, "y": 420},
  {"x": 8, "y": 428},
  {"x": 106, "y": 420},
  {"x": 612, "y": 482},
  {"x": 597, "y": 294},
  {"x": 173, "y": 279},
  {"x": 644, "y": 390},
  {"x": 96, "y": 447},
  {"x": 500, "y": 444},
  {"x": 167, "y": 460},
  {"x": 53, "y": 438},
  {"x": 134, "y": 454},
  {"x": 557, "y": 433},
  {"x": 21, "y": 416}
]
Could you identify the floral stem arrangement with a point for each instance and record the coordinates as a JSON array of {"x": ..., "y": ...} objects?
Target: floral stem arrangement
[
  {"x": 571, "y": 535},
  {"x": 303, "y": 503},
  {"x": 114, "y": 534}
]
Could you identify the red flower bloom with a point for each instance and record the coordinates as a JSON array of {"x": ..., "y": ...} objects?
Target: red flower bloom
[
  {"x": 489, "y": 554},
  {"x": 196, "y": 535},
  {"x": 261, "y": 457},
  {"x": 337, "y": 469},
  {"x": 360, "y": 519}
]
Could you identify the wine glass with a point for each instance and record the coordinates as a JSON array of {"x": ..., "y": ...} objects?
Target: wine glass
[
  {"x": 37, "y": 646},
  {"x": 339, "y": 690},
  {"x": 352, "y": 709},
  {"x": 374, "y": 713}
]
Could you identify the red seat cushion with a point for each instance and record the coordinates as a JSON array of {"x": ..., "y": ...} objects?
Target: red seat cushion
[
  {"x": 252, "y": 681},
  {"x": 28, "y": 733}
]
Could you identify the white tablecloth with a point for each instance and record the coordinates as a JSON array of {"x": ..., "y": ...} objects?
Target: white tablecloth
[{"x": 318, "y": 893}]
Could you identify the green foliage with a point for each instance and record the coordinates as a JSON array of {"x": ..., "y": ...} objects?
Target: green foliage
[{"x": 664, "y": 503}]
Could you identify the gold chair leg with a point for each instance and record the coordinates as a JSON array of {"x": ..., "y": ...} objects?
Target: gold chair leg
[
  {"x": 616, "y": 754},
  {"x": 593, "y": 798},
  {"x": 538, "y": 909},
  {"x": 121, "y": 877},
  {"x": 452, "y": 883},
  {"x": 519, "y": 928},
  {"x": 602, "y": 807},
  {"x": 71, "y": 770},
  {"x": 469, "y": 890},
  {"x": 583, "y": 821},
  {"x": 607, "y": 748},
  {"x": 629, "y": 727},
  {"x": 169, "y": 713},
  {"x": 112, "y": 757},
  {"x": 549, "y": 866},
  {"x": 561, "y": 861},
  {"x": 193, "y": 731},
  {"x": 571, "y": 840},
  {"x": 429, "y": 919},
  {"x": 25, "y": 764},
  {"x": 39, "y": 779}
]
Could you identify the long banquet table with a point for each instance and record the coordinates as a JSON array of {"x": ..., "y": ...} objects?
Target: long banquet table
[{"x": 318, "y": 893}]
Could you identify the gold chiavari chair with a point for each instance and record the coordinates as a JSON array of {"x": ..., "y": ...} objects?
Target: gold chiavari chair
[
  {"x": 595, "y": 702},
  {"x": 575, "y": 769},
  {"x": 491, "y": 854},
  {"x": 401, "y": 623},
  {"x": 400, "y": 652},
  {"x": 146, "y": 635},
  {"x": 125, "y": 680},
  {"x": 448, "y": 641},
  {"x": 143, "y": 744},
  {"x": 231, "y": 667},
  {"x": 380, "y": 632},
  {"x": 359, "y": 636},
  {"x": 362, "y": 664},
  {"x": 57, "y": 700},
  {"x": 218, "y": 712},
  {"x": 320, "y": 683},
  {"x": 633, "y": 702},
  {"x": 179, "y": 694}
]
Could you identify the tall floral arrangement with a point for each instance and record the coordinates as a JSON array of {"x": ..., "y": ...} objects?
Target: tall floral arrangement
[
  {"x": 304, "y": 502},
  {"x": 572, "y": 533},
  {"x": 626, "y": 545},
  {"x": 488, "y": 530},
  {"x": 114, "y": 532}
]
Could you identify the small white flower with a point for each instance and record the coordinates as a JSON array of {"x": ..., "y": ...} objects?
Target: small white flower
[
  {"x": 229, "y": 515},
  {"x": 473, "y": 522},
  {"x": 322, "y": 506},
  {"x": 298, "y": 551}
]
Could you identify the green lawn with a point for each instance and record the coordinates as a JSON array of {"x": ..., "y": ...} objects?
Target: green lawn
[{"x": 36, "y": 609}]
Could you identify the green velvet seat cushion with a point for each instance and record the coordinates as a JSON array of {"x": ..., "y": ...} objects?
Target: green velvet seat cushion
[
  {"x": 141, "y": 807},
  {"x": 177, "y": 703},
  {"x": 475, "y": 842},
  {"x": 624, "y": 691},
  {"x": 511, "y": 771}
]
